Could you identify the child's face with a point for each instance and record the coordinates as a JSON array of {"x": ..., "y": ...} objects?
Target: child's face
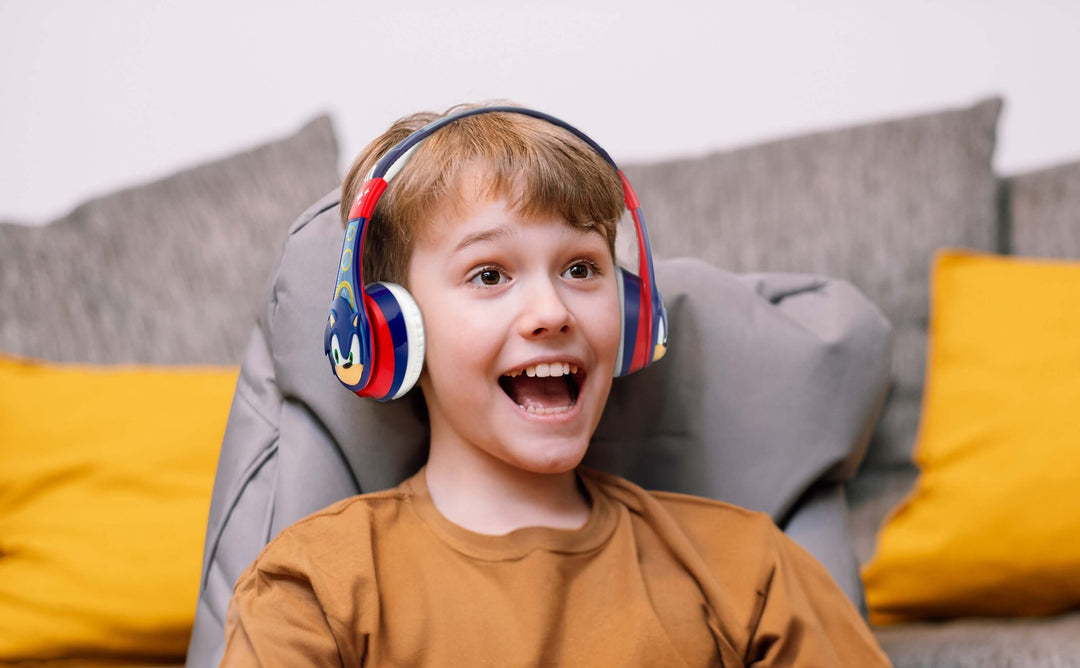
[{"x": 500, "y": 295}]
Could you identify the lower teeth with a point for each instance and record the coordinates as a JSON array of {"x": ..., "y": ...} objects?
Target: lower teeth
[{"x": 545, "y": 411}]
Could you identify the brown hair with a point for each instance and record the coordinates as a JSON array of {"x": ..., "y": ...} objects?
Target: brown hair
[{"x": 542, "y": 169}]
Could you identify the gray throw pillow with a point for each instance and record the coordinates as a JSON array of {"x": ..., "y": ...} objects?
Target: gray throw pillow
[
  {"x": 866, "y": 204},
  {"x": 172, "y": 271},
  {"x": 1044, "y": 212}
]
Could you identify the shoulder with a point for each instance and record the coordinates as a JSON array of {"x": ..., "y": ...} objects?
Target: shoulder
[
  {"x": 298, "y": 600},
  {"x": 769, "y": 595},
  {"x": 344, "y": 530},
  {"x": 718, "y": 531},
  {"x": 687, "y": 507}
]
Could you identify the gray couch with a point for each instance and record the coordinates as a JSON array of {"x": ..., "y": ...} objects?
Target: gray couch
[
  {"x": 766, "y": 399},
  {"x": 863, "y": 207}
]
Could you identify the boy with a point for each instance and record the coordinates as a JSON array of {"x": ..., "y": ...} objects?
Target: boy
[{"x": 501, "y": 550}]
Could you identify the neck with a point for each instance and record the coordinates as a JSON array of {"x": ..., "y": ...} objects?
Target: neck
[{"x": 482, "y": 493}]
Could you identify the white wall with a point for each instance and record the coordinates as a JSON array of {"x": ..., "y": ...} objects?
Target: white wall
[{"x": 95, "y": 96}]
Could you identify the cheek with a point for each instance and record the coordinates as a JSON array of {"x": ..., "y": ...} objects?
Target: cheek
[
  {"x": 602, "y": 324},
  {"x": 612, "y": 334},
  {"x": 459, "y": 342}
]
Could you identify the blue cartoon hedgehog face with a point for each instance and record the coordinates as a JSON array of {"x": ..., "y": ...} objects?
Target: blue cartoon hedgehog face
[{"x": 341, "y": 342}]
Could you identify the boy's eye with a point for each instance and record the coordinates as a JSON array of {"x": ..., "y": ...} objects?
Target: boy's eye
[
  {"x": 580, "y": 270},
  {"x": 489, "y": 276}
]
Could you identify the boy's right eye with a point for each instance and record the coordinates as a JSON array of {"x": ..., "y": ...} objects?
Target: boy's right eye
[{"x": 489, "y": 276}]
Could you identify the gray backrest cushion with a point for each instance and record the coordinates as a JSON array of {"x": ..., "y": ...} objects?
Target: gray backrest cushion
[
  {"x": 768, "y": 386},
  {"x": 771, "y": 384},
  {"x": 173, "y": 271},
  {"x": 1044, "y": 212},
  {"x": 866, "y": 204}
]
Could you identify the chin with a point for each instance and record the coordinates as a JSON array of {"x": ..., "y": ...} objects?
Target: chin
[{"x": 548, "y": 458}]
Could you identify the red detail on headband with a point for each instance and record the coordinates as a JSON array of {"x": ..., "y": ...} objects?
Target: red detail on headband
[
  {"x": 642, "y": 354},
  {"x": 367, "y": 198},
  {"x": 381, "y": 378},
  {"x": 628, "y": 193},
  {"x": 362, "y": 207}
]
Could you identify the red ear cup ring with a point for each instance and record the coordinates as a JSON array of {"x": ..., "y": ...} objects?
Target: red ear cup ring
[{"x": 397, "y": 329}]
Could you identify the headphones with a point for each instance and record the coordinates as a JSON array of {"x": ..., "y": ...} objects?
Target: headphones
[{"x": 378, "y": 350}]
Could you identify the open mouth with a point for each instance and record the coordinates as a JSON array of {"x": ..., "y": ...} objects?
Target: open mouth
[{"x": 547, "y": 388}]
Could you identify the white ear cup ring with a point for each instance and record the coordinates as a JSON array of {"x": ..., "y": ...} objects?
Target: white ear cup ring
[{"x": 414, "y": 329}]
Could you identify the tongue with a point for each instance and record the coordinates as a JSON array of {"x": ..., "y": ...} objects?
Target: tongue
[{"x": 539, "y": 392}]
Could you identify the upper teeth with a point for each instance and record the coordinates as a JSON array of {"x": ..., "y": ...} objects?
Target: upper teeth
[{"x": 546, "y": 369}]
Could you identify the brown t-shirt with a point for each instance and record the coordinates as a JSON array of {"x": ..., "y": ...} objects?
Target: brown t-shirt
[{"x": 650, "y": 579}]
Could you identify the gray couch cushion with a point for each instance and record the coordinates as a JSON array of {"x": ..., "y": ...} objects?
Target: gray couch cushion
[
  {"x": 771, "y": 384},
  {"x": 172, "y": 271},
  {"x": 871, "y": 495},
  {"x": 1044, "y": 212},
  {"x": 985, "y": 643},
  {"x": 867, "y": 204}
]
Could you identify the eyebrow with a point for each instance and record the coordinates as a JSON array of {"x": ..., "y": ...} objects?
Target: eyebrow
[{"x": 483, "y": 236}]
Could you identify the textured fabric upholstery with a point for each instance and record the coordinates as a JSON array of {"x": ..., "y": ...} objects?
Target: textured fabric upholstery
[
  {"x": 166, "y": 272},
  {"x": 985, "y": 643},
  {"x": 1044, "y": 212}
]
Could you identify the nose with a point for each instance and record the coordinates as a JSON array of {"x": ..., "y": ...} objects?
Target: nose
[{"x": 544, "y": 311}]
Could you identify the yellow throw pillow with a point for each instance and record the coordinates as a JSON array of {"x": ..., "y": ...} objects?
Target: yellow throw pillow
[
  {"x": 105, "y": 482},
  {"x": 992, "y": 526}
]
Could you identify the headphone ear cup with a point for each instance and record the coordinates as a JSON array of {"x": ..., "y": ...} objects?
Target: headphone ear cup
[
  {"x": 629, "y": 306},
  {"x": 398, "y": 341}
]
